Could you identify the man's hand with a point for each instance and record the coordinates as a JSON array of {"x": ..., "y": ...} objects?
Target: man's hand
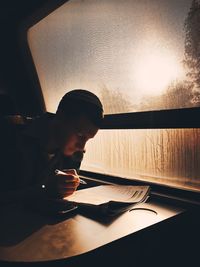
[{"x": 63, "y": 184}]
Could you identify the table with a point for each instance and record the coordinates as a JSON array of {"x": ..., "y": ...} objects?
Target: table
[{"x": 26, "y": 236}]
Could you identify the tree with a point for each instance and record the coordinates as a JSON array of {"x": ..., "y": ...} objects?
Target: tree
[
  {"x": 192, "y": 47},
  {"x": 114, "y": 101},
  {"x": 186, "y": 93},
  {"x": 178, "y": 95}
]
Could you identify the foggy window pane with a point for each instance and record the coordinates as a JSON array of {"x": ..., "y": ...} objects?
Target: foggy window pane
[
  {"x": 166, "y": 156},
  {"x": 134, "y": 54}
]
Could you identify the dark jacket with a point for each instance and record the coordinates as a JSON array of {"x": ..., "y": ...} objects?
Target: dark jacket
[{"x": 23, "y": 159}]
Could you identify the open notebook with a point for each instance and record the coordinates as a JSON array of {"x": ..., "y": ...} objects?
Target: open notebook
[{"x": 109, "y": 199}]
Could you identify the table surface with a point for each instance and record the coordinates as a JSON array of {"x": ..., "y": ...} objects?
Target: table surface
[{"x": 30, "y": 237}]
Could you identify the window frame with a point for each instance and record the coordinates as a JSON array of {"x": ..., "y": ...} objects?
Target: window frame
[
  {"x": 156, "y": 119},
  {"x": 153, "y": 119}
]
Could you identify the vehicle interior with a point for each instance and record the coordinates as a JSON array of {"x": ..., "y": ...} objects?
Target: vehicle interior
[{"x": 142, "y": 59}]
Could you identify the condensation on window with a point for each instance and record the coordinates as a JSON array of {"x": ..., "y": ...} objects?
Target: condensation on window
[
  {"x": 164, "y": 156},
  {"x": 135, "y": 55}
]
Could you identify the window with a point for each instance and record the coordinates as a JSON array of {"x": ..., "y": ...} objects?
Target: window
[
  {"x": 137, "y": 56},
  {"x": 165, "y": 156}
]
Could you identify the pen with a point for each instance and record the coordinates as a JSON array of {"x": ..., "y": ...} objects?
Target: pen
[{"x": 64, "y": 173}]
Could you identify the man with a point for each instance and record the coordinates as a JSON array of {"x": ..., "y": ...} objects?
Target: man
[{"x": 53, "y": 141}]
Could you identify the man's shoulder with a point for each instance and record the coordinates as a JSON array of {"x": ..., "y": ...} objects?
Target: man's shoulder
[
  {"x": 10, "y": 125},
  {"x": 11, "y": 128},
  {"x": 36, "y": 128},
  {"x": 14, "y": 127}
]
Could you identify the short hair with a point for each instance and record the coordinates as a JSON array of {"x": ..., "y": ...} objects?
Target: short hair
[{"x": 81, "y": 102}]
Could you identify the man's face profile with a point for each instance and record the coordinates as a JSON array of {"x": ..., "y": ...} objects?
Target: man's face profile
[{"x": 76, "y": 133}]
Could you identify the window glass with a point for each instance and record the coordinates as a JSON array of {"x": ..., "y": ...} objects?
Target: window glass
[
  {"x": 166, "y": 156},
  {"x": 134, "y": 54}
]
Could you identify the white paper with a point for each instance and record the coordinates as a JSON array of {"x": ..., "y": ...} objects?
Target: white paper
[{"x": 105, "y": 193}]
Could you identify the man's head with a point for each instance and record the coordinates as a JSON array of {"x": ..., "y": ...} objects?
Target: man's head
[{"x": 79, "y": 116}]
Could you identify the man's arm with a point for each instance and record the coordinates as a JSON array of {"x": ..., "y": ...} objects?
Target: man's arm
[{"x": 22, "y": 195}]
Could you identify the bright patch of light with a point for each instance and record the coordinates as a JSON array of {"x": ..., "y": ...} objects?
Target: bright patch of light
[{"x": 155, "y": 71}]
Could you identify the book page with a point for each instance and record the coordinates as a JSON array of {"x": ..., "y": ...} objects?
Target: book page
[{"x": 105, "y": 193}]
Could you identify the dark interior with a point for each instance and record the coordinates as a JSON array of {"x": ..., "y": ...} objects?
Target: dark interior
[{"x": 174, "y": 242}]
